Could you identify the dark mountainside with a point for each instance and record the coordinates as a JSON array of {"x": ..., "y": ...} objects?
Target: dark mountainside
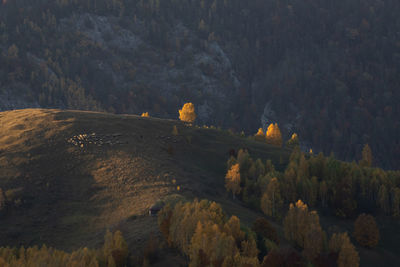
[{"x": 328, "y": 70}]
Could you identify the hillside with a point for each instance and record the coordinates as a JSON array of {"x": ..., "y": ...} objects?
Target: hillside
[
  {"x": 65, "y": 191},
  {"x": 328, "y": 70},
  {"x": 67, "y": 176}
]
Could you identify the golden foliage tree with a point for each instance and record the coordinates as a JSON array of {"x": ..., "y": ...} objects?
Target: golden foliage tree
[
  {"x": 314, "y": 238},
  {"x": 115, "y": 248},
  {"x": 303, "y": 229},
  {"x": 260, "y": 135},
  {"x": 145, "y": 114},
  {"x": 293, "y": 141},
  {"x": 187, "y": 113},
  {"x": 113, "y": 253},
  {"x": 210, "y": 246},
  {"x": 202, "y": 232},
  {"x": 366, "y": 231},
  {"x": 274, "y": 135},
  {"x": 347, "y": 254},
  {"x": 232, "y": 180},
  {"x": 271, "y": 201},
  {"x": 184, "y": 220}
]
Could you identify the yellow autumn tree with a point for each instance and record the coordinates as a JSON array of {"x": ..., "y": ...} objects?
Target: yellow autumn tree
[
  {"x": 274, "y": 135},
  {"x": 187, "y": 113},
  {"x": 209, "y": 245},
  {"x": 260, "y": 135},
  {"x": 115, "y": 248},
  {"x": 232, "y": 180},
  {"x": 271, "y": 201},
  {"x": 347, "y": 254},
  {"x": 303, "y": 229},
  {"x": 366, "y": 231},
  {"x": 293, "y": 141},
  {"x": 314, "y": 237},
  {"x": 145, "y": 114}
]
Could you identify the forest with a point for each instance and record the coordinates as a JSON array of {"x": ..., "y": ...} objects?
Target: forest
[{"x": 329, "y": 69}]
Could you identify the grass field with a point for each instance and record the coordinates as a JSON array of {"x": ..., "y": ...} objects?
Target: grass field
[
  {"x": 66, "y": 194},
  {"x": 70, "y": 175}
]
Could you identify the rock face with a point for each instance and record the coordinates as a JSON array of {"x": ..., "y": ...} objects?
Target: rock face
[{"x": 189, "y": 71}]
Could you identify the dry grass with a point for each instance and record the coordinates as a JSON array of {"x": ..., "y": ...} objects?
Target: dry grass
[
  {"x": 66, "y": 195},
  {"x": 71, "y": 193}
]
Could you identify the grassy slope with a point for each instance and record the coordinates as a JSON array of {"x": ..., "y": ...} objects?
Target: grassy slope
[{"x": 71, "y": 194}]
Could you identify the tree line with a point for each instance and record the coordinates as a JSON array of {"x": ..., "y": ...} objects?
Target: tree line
[{"x": 341, "y": 188}]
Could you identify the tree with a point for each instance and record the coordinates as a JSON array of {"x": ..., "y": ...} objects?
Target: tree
[
  {"x": 271, "y": 200},
  {"x": 260, "y": 135},
  {"x": 232, "y": 180},
  {"x": 187, "y": 113},
  {"x": 12, "y": 52},
  {"x": 303, "y": 229},
  {"x": 174, "y": 130},
  {"x": 396, "y": 202},
  {"x": 145, "y": 114},
  {"x": 383, "y": 199},
  {"x": 273, "y": 135},
  {"x": 293, "y": 141},
  {"x": 348, "y": 256},
  {"x": 366, "y": 231},
  {"x": 367, "y": 159},
  {"x": 115, "y": 249},
  {"x": 340, "y": 245},
  {"x": 283, "y": 257},
  {"x": 323, "y": 193},
  {"x": 314, "y": 239},
  {"x": 265, "y": 231}
]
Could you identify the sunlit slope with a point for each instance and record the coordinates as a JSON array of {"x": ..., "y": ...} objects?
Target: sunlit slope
[{"x": 69, "y": 175}]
